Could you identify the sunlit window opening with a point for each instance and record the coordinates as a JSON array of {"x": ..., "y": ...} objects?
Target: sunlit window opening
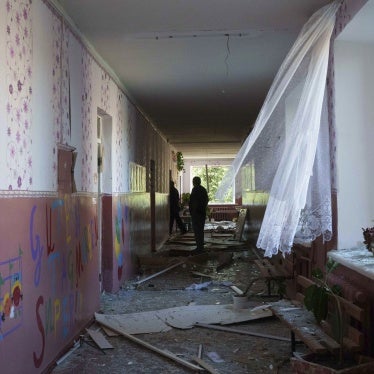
[
  {"x": 251, "y": 195},
  {"x": 211, "y": 177}
]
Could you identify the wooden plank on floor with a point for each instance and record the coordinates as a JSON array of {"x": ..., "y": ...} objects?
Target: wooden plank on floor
[
  {"x": 240, "y": 224},
  {"x": 109, "y": 332},
  {"x": 243, "y": 332},
  {"x": 99, "y": 339},
  {"x": 302, "y": 323},
  {"x": 202, "y": 274},
  {"x": 151, "y": 347},
  {"x": 209, "y": 368},
  {"x": 160, "y": 272}
]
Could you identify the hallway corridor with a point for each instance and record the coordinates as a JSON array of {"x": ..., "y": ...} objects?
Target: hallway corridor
[{"x": 186, "y": 285}]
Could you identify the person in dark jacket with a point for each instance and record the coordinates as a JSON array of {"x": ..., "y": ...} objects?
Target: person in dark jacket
[
  {"x": 197, "y": 207},
  {"x": 174, "y": 210}
]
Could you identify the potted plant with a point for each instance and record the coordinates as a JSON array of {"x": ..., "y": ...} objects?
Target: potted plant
[
  {"x": 185, "y": 198},
  {"x": 368, "y": 234},
  {"x": 317, "y": 297},
  {"x": 180, "y": 161}
]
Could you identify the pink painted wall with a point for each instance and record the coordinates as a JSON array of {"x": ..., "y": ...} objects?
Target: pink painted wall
[
  {"x": 49, "y": 285},
  {"x": 127, "y": 233},
  {"x": 51, "y": 90}
]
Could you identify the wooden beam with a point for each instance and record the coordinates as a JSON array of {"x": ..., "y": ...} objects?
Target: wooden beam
[
  {"x": 152, "y": 347},
  {"x": 109, "y": 332},
  {"x": 205, "y": 365},
  {"x": 227, "y": 329},
  {"x": 99, "y": 339},
  {"x": 200, "y": 352},
  {"x": 160, "y": 272}
]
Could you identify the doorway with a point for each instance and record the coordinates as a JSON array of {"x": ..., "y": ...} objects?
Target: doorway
[{"x": 104, "y": 177}]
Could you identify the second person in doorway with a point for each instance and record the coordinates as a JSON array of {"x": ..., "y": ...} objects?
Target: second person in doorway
[
  {"x": 174, "y": 210},
  {"x": 197, "y": 206}
]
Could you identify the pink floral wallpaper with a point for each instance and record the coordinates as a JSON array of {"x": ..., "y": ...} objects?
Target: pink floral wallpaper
[
  {"x": 56, "y": 89},
  {"x": 87, "y": 125},
  {"x": 119, "y": 144},
  {"x": 18, "y": 80},
  {"x": 65, "y": 86},
  {"x": 59, "y": 41},
  {"x": 104, "y": 92}
]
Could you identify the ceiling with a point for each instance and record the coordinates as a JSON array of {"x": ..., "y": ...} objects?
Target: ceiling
[{"x": 198, "y": 69}]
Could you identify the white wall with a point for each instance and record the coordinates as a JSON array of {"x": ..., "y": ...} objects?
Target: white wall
[{"x": 354, "y": 97}]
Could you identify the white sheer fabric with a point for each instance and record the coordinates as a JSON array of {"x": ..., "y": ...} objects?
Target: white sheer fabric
[{"x": 289, "y": 143}]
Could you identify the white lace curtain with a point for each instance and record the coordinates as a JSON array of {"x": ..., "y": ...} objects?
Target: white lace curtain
[{"x": 289, "y": 144}]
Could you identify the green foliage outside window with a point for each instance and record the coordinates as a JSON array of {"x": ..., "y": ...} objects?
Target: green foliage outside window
[{"x": 215, "y": 176}]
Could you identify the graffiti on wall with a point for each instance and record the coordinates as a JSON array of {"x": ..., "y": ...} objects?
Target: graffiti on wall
[
  {"x": 130, "y": 233},
  {"x": 52, "y": 272},
  {"x": 121, "y": 220},
  {"x": 62, "y": 261},
  {"x": 11, "y": 308}
]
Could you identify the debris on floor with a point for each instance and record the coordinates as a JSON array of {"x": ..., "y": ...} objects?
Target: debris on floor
[
  {"x": 184, "y": 317},
  {"x": 180, "y": 316}
]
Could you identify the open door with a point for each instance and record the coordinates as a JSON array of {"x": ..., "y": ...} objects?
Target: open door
[{"x": 104, "y": 180}]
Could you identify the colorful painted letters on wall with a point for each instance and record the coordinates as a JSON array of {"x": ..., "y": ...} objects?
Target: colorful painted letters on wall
[{"x": 49, "y": 284}]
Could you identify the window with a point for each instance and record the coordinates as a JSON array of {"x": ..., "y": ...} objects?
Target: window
[
  {"x": 211, "y": 177},
  {"x": 137, "y": 178},
  {"x": 252, "y": 196}
]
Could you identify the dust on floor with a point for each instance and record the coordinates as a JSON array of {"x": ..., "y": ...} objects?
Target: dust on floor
[{"x": 226, "y": 352}]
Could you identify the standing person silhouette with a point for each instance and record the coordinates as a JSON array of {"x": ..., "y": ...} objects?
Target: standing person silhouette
[
  {"x": 197, "y": 206},
  {"x": 174, "y": 209}
]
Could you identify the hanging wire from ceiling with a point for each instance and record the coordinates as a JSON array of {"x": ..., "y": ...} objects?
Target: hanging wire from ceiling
[
  {"x": 228, "y": 52},
  {"x": 212, "y": 33}
]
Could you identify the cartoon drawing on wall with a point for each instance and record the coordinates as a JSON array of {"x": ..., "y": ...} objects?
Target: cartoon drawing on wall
[
  {"x": 10, "y": 295},
  {"x": 119, "y": 237}
]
